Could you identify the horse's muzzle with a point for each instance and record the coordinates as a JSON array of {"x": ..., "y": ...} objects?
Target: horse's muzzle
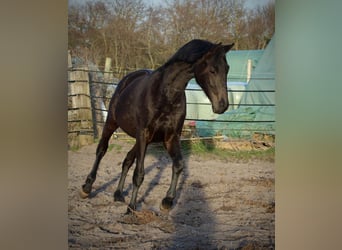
[{"x": 221, "y": 106}]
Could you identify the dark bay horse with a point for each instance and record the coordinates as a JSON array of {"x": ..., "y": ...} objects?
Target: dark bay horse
[{"x": 151, "y": 106}]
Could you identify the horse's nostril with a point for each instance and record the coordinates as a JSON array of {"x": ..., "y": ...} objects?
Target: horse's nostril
[{"x": 223, "y": 104}]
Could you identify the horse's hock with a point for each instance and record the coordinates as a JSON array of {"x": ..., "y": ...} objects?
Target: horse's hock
[{"x": 80, "y": 126}]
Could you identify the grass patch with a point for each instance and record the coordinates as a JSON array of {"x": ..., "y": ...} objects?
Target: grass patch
[
  {"x": 208, "y": 150},
  {"x": 262, "y": 155},
  {"x": 203, "y": 149},
  {"x": 74, "y": 148},
  {"x": 114, "y": 146}
]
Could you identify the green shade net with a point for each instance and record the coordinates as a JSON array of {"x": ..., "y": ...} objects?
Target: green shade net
[{"x": 256, "y": 111}]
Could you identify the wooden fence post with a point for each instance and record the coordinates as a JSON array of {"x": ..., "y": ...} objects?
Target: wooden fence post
[{"x": 80, "y": 111}]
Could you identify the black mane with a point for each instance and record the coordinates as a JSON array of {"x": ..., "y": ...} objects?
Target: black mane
[{"x": 191, "y": 52}]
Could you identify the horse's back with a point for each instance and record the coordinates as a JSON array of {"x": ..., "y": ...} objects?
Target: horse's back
[
  {"x": 124, "y": 83},
  {"x": 131, "y": 77}
]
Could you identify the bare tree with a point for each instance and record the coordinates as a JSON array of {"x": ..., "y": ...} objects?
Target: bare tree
[
  {"x": 204, "y": 19},
  {"x": 261, "y": 25},
  {"x": 86, "y": 24},
  {"x": 122, "y": 32},
  {"x": 135, "y": 36}
]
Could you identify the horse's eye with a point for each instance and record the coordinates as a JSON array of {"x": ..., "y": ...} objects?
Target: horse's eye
[{"x": 212, "y": 70}]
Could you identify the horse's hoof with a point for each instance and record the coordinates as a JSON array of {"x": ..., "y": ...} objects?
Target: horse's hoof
[
  {"x": 118, "y": 196},
  {"x": 166, "y": 203},
  {"x": 83, "y": 194},
  {"x": 130, "y": 209}
]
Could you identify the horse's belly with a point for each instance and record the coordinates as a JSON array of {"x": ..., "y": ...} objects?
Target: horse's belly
[
  {"x": 159, "y": 126},
  {"x": 158, "y": 137},
  {"x": 127, "y": 124},
  {"x": 162, "y": 129},
  {"x": 126, "y": 121}
]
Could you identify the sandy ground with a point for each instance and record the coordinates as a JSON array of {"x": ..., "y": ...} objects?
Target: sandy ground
[{"x": 221, "y": 204}]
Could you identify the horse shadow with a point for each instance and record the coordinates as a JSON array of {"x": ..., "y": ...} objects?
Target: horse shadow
[{"x": 192, "y": 212}]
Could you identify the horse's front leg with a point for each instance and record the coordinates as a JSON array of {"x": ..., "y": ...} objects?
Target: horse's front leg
[
  {"x": 139, "y": 172},
  {"x": 173, "y": 147}
]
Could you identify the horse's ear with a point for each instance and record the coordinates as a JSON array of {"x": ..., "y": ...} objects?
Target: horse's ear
[
  {"x": 228, "y": 47},
  {"x": 214, "y": 50}
]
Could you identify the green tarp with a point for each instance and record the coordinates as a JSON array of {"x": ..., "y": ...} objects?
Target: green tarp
[{"x": 256, "y": 112}]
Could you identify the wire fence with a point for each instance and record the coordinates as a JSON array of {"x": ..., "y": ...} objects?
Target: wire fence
[{"x": 101, "y": 89}]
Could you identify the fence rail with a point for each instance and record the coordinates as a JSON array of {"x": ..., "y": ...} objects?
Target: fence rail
[{"x": 89, "y": 93}]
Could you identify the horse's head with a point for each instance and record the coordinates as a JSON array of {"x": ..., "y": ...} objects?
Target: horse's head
[{"x": 211, "y": 74}]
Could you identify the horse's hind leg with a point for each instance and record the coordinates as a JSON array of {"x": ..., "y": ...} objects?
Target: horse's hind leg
[
  {"x": 172, "y": 146},
  {"x": 129, "y": 160},
  {"x": 101, "y": 150},
  {"x": 139, "y": 172}
]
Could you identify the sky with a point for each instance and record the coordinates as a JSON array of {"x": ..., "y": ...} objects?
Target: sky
[{"x": 250, "y": 4}]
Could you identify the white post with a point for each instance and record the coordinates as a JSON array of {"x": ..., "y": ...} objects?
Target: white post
[
  {"x": 249, "y": 69},
  {"x": 108, "y": 65},
  {"x": 69, "y": 64},
  {"x": 107, "y": 77},
  {"x": 69, "y": 60}
]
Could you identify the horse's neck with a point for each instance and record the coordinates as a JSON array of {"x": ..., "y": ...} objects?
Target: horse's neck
[{"x": 176, "y": 76}]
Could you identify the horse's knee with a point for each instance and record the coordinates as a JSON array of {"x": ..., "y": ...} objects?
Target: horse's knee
[
  {"x": 129, "y": 160},
  {"x": 127, "y": 164},
  {"x": 138, "y": 178},
  {"x": 178, "y": 167}
]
